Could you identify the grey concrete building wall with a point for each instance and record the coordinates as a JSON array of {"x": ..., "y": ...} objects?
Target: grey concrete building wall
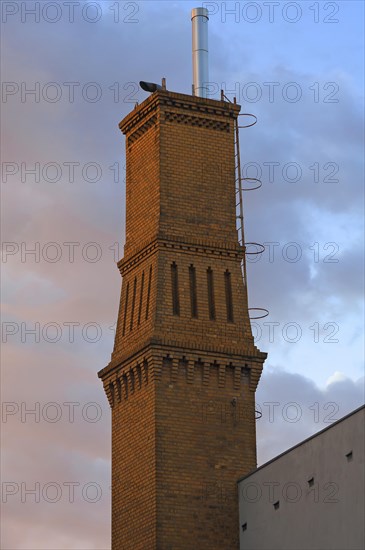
[{"x": 311, "y": 497}]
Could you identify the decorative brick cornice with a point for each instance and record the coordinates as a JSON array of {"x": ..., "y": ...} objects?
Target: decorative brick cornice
[
  {"x": 199, "y": 121},
  {"x": 131, "y": 261},
  {"x": 141, "y": 129},
  {"x": 122, "y": 379},
  {"x": 192, "y": 104},
  {"x": 199, "y": 247},
  {"x": 123, "y": 383},
  {"x": 139, "y": 114},
  {"x": 209, "y": 349}
]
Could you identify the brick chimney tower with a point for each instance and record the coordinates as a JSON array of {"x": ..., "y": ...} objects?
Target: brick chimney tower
[{"x": 183, "y": 373}]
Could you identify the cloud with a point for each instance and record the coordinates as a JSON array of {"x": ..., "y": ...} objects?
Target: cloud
[{"x": 294, "y": 408}]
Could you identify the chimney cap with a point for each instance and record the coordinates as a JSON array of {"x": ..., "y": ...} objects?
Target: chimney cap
[{"x": 196, "y": 12}]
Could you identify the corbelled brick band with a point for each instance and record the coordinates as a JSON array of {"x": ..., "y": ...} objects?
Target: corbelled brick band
[{"x": 183, "y": 373}]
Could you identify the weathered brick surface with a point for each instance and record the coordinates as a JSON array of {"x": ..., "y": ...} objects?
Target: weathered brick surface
[
  {"x": 133, "y": 471},
  {"x": 182, "y": 377}
]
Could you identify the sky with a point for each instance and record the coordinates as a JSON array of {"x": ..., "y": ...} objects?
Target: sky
[{"x": 70, "y": 73}]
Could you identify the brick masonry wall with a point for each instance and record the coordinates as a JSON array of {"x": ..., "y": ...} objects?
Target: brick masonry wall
[
  {"x": 205, "y": 437},
  {"x": 184, "y": 369},
  {"x": 142, "y": 190},
  {"x": 197, "y": 178},
  {"x": 133, "y": 467}
]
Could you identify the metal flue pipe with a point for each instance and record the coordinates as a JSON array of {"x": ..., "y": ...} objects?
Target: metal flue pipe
[{"x": 199, "y": 18}]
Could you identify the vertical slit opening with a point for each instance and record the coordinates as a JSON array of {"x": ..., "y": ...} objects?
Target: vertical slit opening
[
  {"x": 211, "y": 303},
  {"x": 148, "y": 293},
  {"x": 229, "y": 301},
  {"x": 140, "y": 300},
  {"x": 193, "y": 292},
  {"x": 125, "y": 308},
  {"x": 133, "y": 303},
  {"x": 175, "y": 290}
]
